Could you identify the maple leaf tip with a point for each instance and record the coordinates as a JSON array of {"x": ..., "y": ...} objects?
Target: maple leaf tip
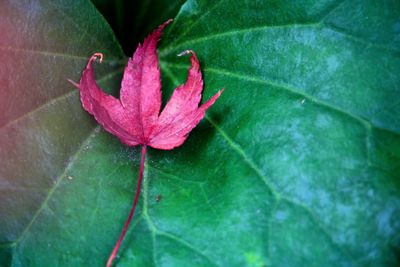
[
  {"x": 94, "y": 57},
  {"x": 186, "y": 52},
  {"x": 193, "y": 57},
  {"x": 217, "y": 95},
  {"x": 73, "y": 83},
  {"x": 162, "y": 26}
]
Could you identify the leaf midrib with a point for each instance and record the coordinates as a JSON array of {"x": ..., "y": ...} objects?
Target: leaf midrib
[
  {"x": 313, "y": 23},
  {"x": 53, "y": 101},
  {"x": 316, "y": 25},
  {"x": 44, "y": 53},
  {"x": 366, "y": 123}
]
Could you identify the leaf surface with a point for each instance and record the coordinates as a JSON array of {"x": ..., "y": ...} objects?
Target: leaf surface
[
  {"x": 296, "y": 165},
  {"x": 42, "y": 125}
]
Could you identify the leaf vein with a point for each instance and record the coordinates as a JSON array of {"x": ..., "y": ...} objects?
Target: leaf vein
[
  {"x": 57, "y": 184},
  {"x": 185, "y": 244},
  {"x": 351, "y": 37},
  {"x": 7, "y": 245},
  {"x": 197, "y": 20},
  {"x": 239, "y": 150},
  {"x": 313, "y": 217},
  {"x": 330, "y": 12},
  {"x": 155, "y": 231},
  {"x": 53, "y": 101},
  {"x": 234, "y": 146},
  {"x": 359, "y": 39},
  {"x": 146, "y": 216},
  {"x": 285, "y": 87},
  {"x": 44, "y": 53},
  {"x": 170, "y": 48}
]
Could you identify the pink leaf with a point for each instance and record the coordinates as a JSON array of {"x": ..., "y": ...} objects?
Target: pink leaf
[{"x": 136, "y": 119}]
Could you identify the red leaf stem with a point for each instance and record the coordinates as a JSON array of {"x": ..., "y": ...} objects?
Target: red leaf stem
[{"x": 128, "y": 221}]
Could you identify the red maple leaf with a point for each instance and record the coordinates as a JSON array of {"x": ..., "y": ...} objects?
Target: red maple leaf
[{"x": 135, "y": 118}]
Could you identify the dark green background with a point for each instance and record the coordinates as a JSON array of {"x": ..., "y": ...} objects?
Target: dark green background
[
  {"x": 133, "y": 20},
  {"x": 297, "y": 164}
]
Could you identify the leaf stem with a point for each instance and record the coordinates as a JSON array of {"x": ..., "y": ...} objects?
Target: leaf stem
[{"x": 128, "y": 221}]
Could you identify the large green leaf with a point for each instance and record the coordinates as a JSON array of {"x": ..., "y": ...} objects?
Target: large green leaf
[{"x": 295, "y": 165}]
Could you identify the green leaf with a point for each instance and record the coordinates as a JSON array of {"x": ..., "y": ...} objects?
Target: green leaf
[{"x": 296, "y": 165}]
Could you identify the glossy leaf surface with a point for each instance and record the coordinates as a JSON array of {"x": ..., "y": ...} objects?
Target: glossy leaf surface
[{"x": 296, "y": 165}]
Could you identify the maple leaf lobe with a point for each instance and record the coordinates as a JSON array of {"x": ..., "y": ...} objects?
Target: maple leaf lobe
[{"x": 135, "y": 118}]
